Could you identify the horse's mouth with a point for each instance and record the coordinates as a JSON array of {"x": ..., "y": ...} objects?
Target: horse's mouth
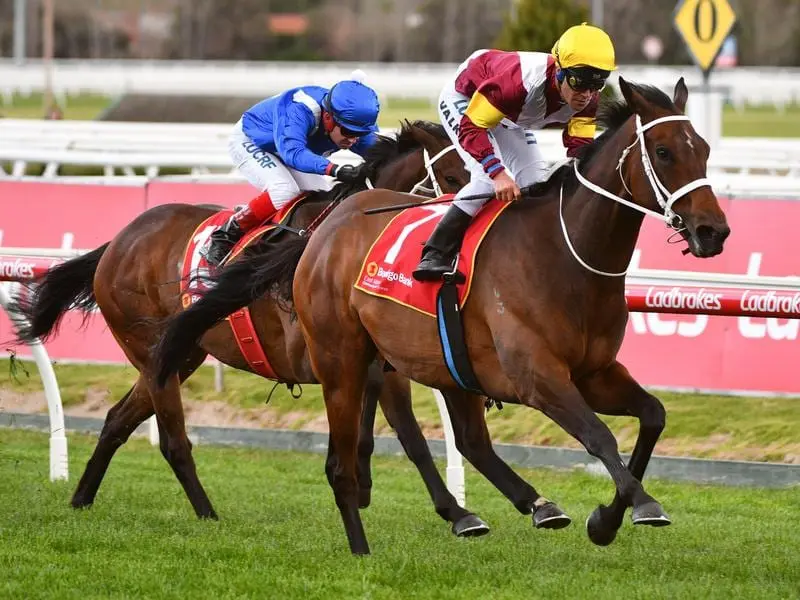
[{"x": 706, "y": 241}]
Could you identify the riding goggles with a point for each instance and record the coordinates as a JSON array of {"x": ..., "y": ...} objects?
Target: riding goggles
[
  {"x": 349, "y": 133},
  {"x": 582, "y": 79}
]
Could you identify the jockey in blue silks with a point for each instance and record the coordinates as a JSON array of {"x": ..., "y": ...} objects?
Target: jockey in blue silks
[{"x": 280, "y": 145}]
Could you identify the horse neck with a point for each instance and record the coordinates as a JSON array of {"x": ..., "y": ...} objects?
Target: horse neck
[
  {"x": 602, "y": 231},
  {"x": 401, "y": 174}
]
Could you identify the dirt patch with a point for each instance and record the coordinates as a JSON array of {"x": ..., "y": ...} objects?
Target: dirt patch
[
  {"x": 178, "y": 109},
  {"x": 215, "y": 414},
  {"x": 221, "y": 414}
]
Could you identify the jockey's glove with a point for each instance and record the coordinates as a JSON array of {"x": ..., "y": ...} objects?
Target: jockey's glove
[{"x": 350, "y": 173}]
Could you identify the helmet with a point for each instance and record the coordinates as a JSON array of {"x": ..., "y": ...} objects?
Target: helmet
[
  {"x": 587, "y": 46},
  {"x": 353, "y": 105}
]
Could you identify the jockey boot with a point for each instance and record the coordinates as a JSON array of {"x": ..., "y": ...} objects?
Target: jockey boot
[
  {"x": 222, "y": 241},
  {"x": 443, "y": 245}
]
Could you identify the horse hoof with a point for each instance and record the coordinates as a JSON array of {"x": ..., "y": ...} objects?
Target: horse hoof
[
  {"x": 78, "y": 504},
  {"x": 364, "y": 497},
  {"x": 470, "y": 526},
  {"x": 599, "y": 532},
  {"x": 650, "y": 513},
  {"x": 549, "y": 516}
]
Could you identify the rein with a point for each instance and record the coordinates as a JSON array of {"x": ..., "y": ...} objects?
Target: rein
[{"x": 664, "y": 197}]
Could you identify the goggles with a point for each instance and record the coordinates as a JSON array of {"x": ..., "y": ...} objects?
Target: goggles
[
  {"x": 349, "y": 133},
  {"x": 583, "y": 79}
]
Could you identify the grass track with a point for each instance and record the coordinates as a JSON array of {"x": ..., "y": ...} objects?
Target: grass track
[{"x": 280, "y": 535}]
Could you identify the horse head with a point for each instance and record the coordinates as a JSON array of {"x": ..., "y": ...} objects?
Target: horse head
[
  {"x": 667, "y": 168},
  {"x": 430, "y": 160}
]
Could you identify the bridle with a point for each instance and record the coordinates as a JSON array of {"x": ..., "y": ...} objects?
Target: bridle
[{"x": 664, "y": 197}]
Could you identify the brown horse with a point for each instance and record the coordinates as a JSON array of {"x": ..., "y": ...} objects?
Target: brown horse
[
  {"x": 556, "y": 261},
  {"x": 134, "y": 281}
]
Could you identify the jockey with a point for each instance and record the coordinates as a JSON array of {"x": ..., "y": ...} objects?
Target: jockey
[
  {"x": 280, "y": 146},
  {"x": 491, "y": 109}
]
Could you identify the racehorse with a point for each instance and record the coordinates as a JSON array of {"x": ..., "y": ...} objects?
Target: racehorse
[
  {"x": 134, "y": 281},
  {"x": 555, "y": 262}
]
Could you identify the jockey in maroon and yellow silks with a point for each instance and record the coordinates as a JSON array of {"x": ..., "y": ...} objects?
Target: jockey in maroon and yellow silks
[
  {"x": 519, "y": 87},
  {"x": 492, "y": 109}
]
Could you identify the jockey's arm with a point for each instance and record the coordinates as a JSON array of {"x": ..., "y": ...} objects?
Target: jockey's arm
[
  {"x": 492, "y": 100},
  {"x": 580, "y": 129},
  {"x": 480, "y": 116},
  {"x": 292, "y": 129}
]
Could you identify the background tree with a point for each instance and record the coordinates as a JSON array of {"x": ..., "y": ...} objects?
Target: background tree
[{"x": 535, "y": 25}]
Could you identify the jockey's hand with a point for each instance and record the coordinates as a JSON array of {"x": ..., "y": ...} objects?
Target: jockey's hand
[
  {"x": 350, "y": 173},
  {"x": 505, "y": 188}
]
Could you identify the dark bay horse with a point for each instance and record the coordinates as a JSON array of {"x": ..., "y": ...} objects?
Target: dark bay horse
[
  {"x": 556, "y": 260},
  {"x": 134, "y": 281}
]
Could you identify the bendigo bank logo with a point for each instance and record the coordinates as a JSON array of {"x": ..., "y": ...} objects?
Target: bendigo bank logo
[{"x": 372, "y": 269}]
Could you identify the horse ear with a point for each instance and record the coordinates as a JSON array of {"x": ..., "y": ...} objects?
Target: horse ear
[
  {"x": 680, "y": 95},
  {"x": 632, "y": 97},
  {"x": 627, "y": 91}
]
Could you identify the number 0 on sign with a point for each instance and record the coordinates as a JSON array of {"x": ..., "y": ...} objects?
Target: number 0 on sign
[{"x": 704, "y": 25}]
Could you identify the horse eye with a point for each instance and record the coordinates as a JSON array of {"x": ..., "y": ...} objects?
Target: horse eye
[
  {"x": 662, "y": 153},
  {"x": 451, "y": 180}
]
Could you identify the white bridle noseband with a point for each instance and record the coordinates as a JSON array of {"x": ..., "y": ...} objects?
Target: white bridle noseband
[
  {"x": 434, "y": 191},
  {"x": 664, "y": 197}
]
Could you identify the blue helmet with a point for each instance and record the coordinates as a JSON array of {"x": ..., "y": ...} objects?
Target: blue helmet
[{"x": 353, "y": 105}]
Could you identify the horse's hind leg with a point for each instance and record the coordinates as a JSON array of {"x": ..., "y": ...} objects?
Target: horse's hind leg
[
  {"x": 473, "y": 441},
  {"x": 174, "y": 442},
  {"x": 343, "y": 375},
  {"x": 366, "y": 438},
  {"x": 122, "y": 419},
  {"x": 395, "y": 399},
  {"x": 614, "y": 392}
]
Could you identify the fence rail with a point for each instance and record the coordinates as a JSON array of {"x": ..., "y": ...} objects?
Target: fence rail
[
  {"x": 409, "y": 80},
  {"x": 743, "y": 165}
]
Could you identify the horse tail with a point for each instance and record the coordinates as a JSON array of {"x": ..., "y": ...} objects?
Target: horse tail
[
  {"x": 234, "y": 287},
  {"x": 63, "y": 287}
]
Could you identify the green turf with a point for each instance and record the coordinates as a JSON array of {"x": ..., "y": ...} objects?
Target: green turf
[
  {"x": 697, "y": 425},
  {"x": 280, "y": 535},
  {"x": 752, "y": 121}
]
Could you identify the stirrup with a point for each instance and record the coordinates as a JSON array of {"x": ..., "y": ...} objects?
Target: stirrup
[{"x": 454, "y": 276}]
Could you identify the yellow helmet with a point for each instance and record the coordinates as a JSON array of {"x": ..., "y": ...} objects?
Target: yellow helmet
[{"x": 585, "y": 45}]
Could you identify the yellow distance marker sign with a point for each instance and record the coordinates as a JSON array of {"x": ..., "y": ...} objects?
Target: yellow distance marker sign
[{"x": 704, "y": 25}]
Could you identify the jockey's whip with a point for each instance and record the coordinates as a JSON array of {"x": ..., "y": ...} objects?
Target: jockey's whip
[{"x": 474, "y": 197}]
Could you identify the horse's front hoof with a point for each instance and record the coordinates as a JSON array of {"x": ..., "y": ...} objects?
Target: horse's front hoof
[
  {"x": 470, "y": 526},
  {"x": 599, "y": 530},
  {"x": 650, "y": 513},
  {"x": 549, "y": 516}
]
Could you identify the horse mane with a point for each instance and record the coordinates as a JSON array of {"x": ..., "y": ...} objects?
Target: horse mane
[
  {"x": 386, "y": 150},
  {"x": 612, "y": 114}
]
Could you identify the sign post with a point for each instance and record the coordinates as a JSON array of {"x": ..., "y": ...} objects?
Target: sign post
[{"x": 704, "y": 25}]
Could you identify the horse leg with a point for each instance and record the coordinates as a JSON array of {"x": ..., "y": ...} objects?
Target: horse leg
[
  {"x": 473, "y": 442},
  {"x": 122, "y": 419},
  {"x": 343, "y": 376},
  {"x": 366, "y": 437},
  {"x": 558, "y": 398},
  {"x": 614, "y": 392},
  {"x": 395, "y": 399}
]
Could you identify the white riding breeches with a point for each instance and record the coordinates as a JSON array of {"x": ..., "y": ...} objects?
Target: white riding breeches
[
  {"x": 267, "y": 172},
  {"x": 516, "y": 147}
]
